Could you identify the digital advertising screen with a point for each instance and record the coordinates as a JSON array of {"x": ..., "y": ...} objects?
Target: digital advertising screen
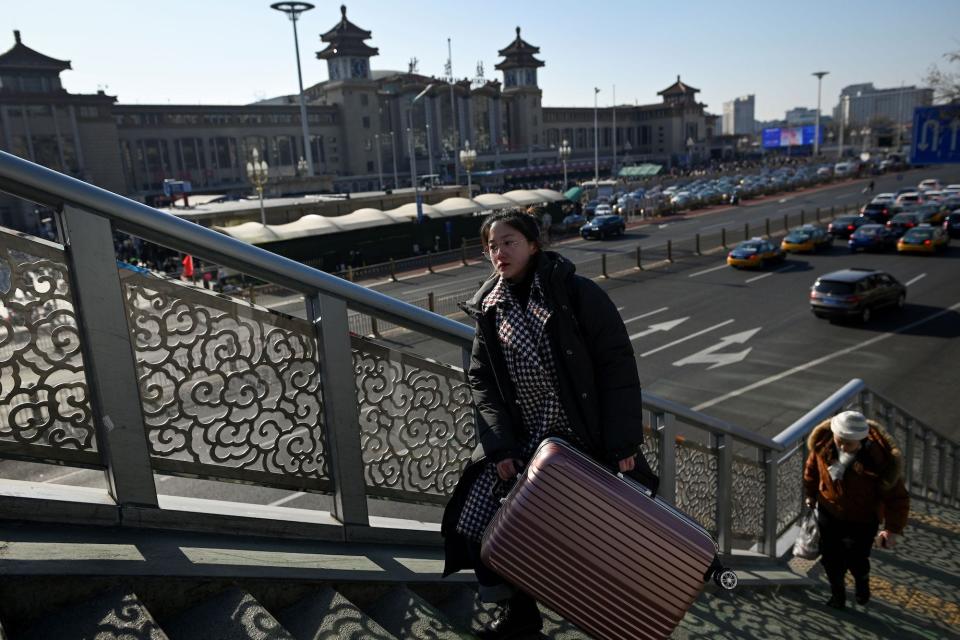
[{"x": 778, "y": 137}]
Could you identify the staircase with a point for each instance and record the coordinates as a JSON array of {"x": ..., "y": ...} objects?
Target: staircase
[{"x": 109, "y": 368}]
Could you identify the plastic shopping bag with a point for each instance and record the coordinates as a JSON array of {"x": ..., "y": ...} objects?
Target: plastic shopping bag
[{"x": 807, "y": 544}]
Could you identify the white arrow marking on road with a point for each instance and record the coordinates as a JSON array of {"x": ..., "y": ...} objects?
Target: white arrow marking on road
[
  {"x": 663, "y": 326},
  {"x": 663, "y": 226},
  {"x": 689, "y": 337},
  {"x": 649, "y": 313},
  {"x": 709, "y": 355}
]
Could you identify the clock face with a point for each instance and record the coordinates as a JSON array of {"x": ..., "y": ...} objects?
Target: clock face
[{"x": 359, "y": 68}]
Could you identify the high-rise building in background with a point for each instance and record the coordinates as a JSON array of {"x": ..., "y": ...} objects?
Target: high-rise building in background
[
  {"x": 738, "y": 116},
  {"x": 801, "y": 116},
  {"x": 869, "y": 104}
]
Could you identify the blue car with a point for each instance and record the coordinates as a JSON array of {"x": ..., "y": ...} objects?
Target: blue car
[
  {"x": 872, "y": 237},
  {"x": 603, "y": 227}
]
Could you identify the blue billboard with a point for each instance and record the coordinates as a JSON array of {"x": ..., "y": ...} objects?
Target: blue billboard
[
  {"x": 789, "y": 136},
  {"x": 935, "y": 134}
]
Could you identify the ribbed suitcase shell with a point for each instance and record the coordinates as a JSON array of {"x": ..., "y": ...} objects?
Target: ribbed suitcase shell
[{"x": 596, "y": 549}]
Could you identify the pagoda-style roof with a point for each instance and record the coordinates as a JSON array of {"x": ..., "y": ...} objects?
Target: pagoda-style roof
[
  {"x": 346, "y": 39},
  {"x": 678, "y": 89},
  {"x": 519, "y": 53},
  {"x": 23, "y": 58}
]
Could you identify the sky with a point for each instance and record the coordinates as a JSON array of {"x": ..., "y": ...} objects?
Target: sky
[{"x": 239, "y": 51}]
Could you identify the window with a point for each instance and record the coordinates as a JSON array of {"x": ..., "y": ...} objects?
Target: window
[
  {"x": 286, "y": 150},
  {"x": 224, "y": 152},
  {"x": 191, "y": 154},
  {"x": 370, "y": 166},
  {"x": 46, "y": 152},
  {"x": 364, "y": 99},
  {"x": 366, "y": 122},
  {"x": 87, "y": 111}
]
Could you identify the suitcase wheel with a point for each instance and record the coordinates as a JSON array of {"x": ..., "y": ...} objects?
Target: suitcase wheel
[{"x": 726, "y": 579}]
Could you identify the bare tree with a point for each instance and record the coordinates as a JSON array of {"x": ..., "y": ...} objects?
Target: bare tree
[{"x": 946, "y": 84}]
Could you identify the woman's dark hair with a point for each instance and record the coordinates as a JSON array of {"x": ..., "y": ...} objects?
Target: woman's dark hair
[{"x": 523, "y": 222}]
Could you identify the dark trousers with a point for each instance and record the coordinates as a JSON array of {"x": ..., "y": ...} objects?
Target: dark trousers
[
  {"x": 845, "y": 546},
  {"x": 493, "y": 588}
]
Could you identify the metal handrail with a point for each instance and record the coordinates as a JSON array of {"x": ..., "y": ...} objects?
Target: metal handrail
[
  {"x": 33, "y": 182},
  {"x": 707, "y": 422},
  {"x": 829, "y": 407}
]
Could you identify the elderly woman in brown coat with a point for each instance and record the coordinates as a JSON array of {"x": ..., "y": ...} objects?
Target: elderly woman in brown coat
[{"x": 855, "y": 474}]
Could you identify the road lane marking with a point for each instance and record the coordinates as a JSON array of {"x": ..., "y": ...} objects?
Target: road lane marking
[
  {"x": 819, "y": 361},
  {"x": 663, "y": 326},
  {"x": 66, "y": 475},
  {"x": 649, "y": 313},
  {"x": 769, "y": 273},
  {"x": 700, "y": 273},
  {"x": 286, "y": 499},
  {"x": 919, "y": 277},
  {"x": 713, "y": 226},
  {"x": 714, "y": 359},
  {"x": 690, "y": 337}
]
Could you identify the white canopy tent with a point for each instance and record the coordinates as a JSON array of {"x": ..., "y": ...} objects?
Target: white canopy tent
[
  {"x": 494, "y": 201},
  {"x": 362, "y": 219},
  {"x": 523, "y": 197},
  {"x": 458, "y": 207},
  {"x": 549, "y": 195},
  {"x": 408, "y": 212}
]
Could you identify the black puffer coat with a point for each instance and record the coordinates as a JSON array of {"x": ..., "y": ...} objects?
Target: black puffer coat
[{"x": 599, "y": 383}]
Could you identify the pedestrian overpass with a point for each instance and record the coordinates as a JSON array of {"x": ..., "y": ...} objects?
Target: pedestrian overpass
[{"x": 108, "y": 368}]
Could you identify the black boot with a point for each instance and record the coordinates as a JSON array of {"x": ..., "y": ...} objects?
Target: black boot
[
  {"x": 838, "y": 595},
  {"x": 518, "y": 618},
  {"x": 862, "y": 589}
]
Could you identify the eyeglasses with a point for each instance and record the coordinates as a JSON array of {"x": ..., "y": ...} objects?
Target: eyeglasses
[{"x": 493, "y": 249}]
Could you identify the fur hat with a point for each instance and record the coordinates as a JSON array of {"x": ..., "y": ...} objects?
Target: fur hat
[{"x": 850, "y": 425}]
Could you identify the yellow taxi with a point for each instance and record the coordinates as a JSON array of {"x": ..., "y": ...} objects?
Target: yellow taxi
[
  {"x": 807, "y": 238},
  {"x": 755, "y": 253},
  {"x": 923, "y": 239}
]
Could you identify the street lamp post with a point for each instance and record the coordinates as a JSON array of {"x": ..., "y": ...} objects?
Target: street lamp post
[
  {"x": 393, "y": 153},
  {"x": 596, "y": 142},
  {"x": 258, "y": 173},
  {"x": 293, "y": 11},
  {"x": 564, "y": 156},
  {"x": 413, "y": 156},
  {"x": 376, "y": 139},
  {"x": 468, "y": 157},
  {"x": 844, "y": 108},
  {"x": 816, "y": 129}
]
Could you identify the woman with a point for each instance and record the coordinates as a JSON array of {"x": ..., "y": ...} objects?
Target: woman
[
  {"x": 854, "y": 474},
  {"x": 551, "y": 357}
]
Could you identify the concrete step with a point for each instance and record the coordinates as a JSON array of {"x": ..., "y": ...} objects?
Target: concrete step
[
  {"x": 461, "y": 605},
  {"x": 115, "y": 615},
  {"x": 231, "y": 615},
  {"x": 328, "y": 615},
  {"x": 406, "y": 614}
]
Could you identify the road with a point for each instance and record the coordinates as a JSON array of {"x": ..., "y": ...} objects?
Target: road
[{"x": 739, "y": 345}]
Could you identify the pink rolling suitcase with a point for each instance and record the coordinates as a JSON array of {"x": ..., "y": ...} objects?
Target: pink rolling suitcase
[{"x": 598, "y": 549}]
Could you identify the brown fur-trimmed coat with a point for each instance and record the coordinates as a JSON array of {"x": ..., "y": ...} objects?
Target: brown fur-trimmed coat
[{"x": 872, "y": 488}]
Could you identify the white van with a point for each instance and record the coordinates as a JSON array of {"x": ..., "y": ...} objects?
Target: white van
[{"x": 843, "y": 169}]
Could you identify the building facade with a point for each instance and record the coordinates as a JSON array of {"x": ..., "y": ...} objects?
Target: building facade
[
  {"x": 739, "y": 116},
  {"x": 868, "y": 105},
  {"x": 365, "y": 130}
]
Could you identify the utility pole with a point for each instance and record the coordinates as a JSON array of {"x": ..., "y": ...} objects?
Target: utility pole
[{"x": 596, "y": 142}]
